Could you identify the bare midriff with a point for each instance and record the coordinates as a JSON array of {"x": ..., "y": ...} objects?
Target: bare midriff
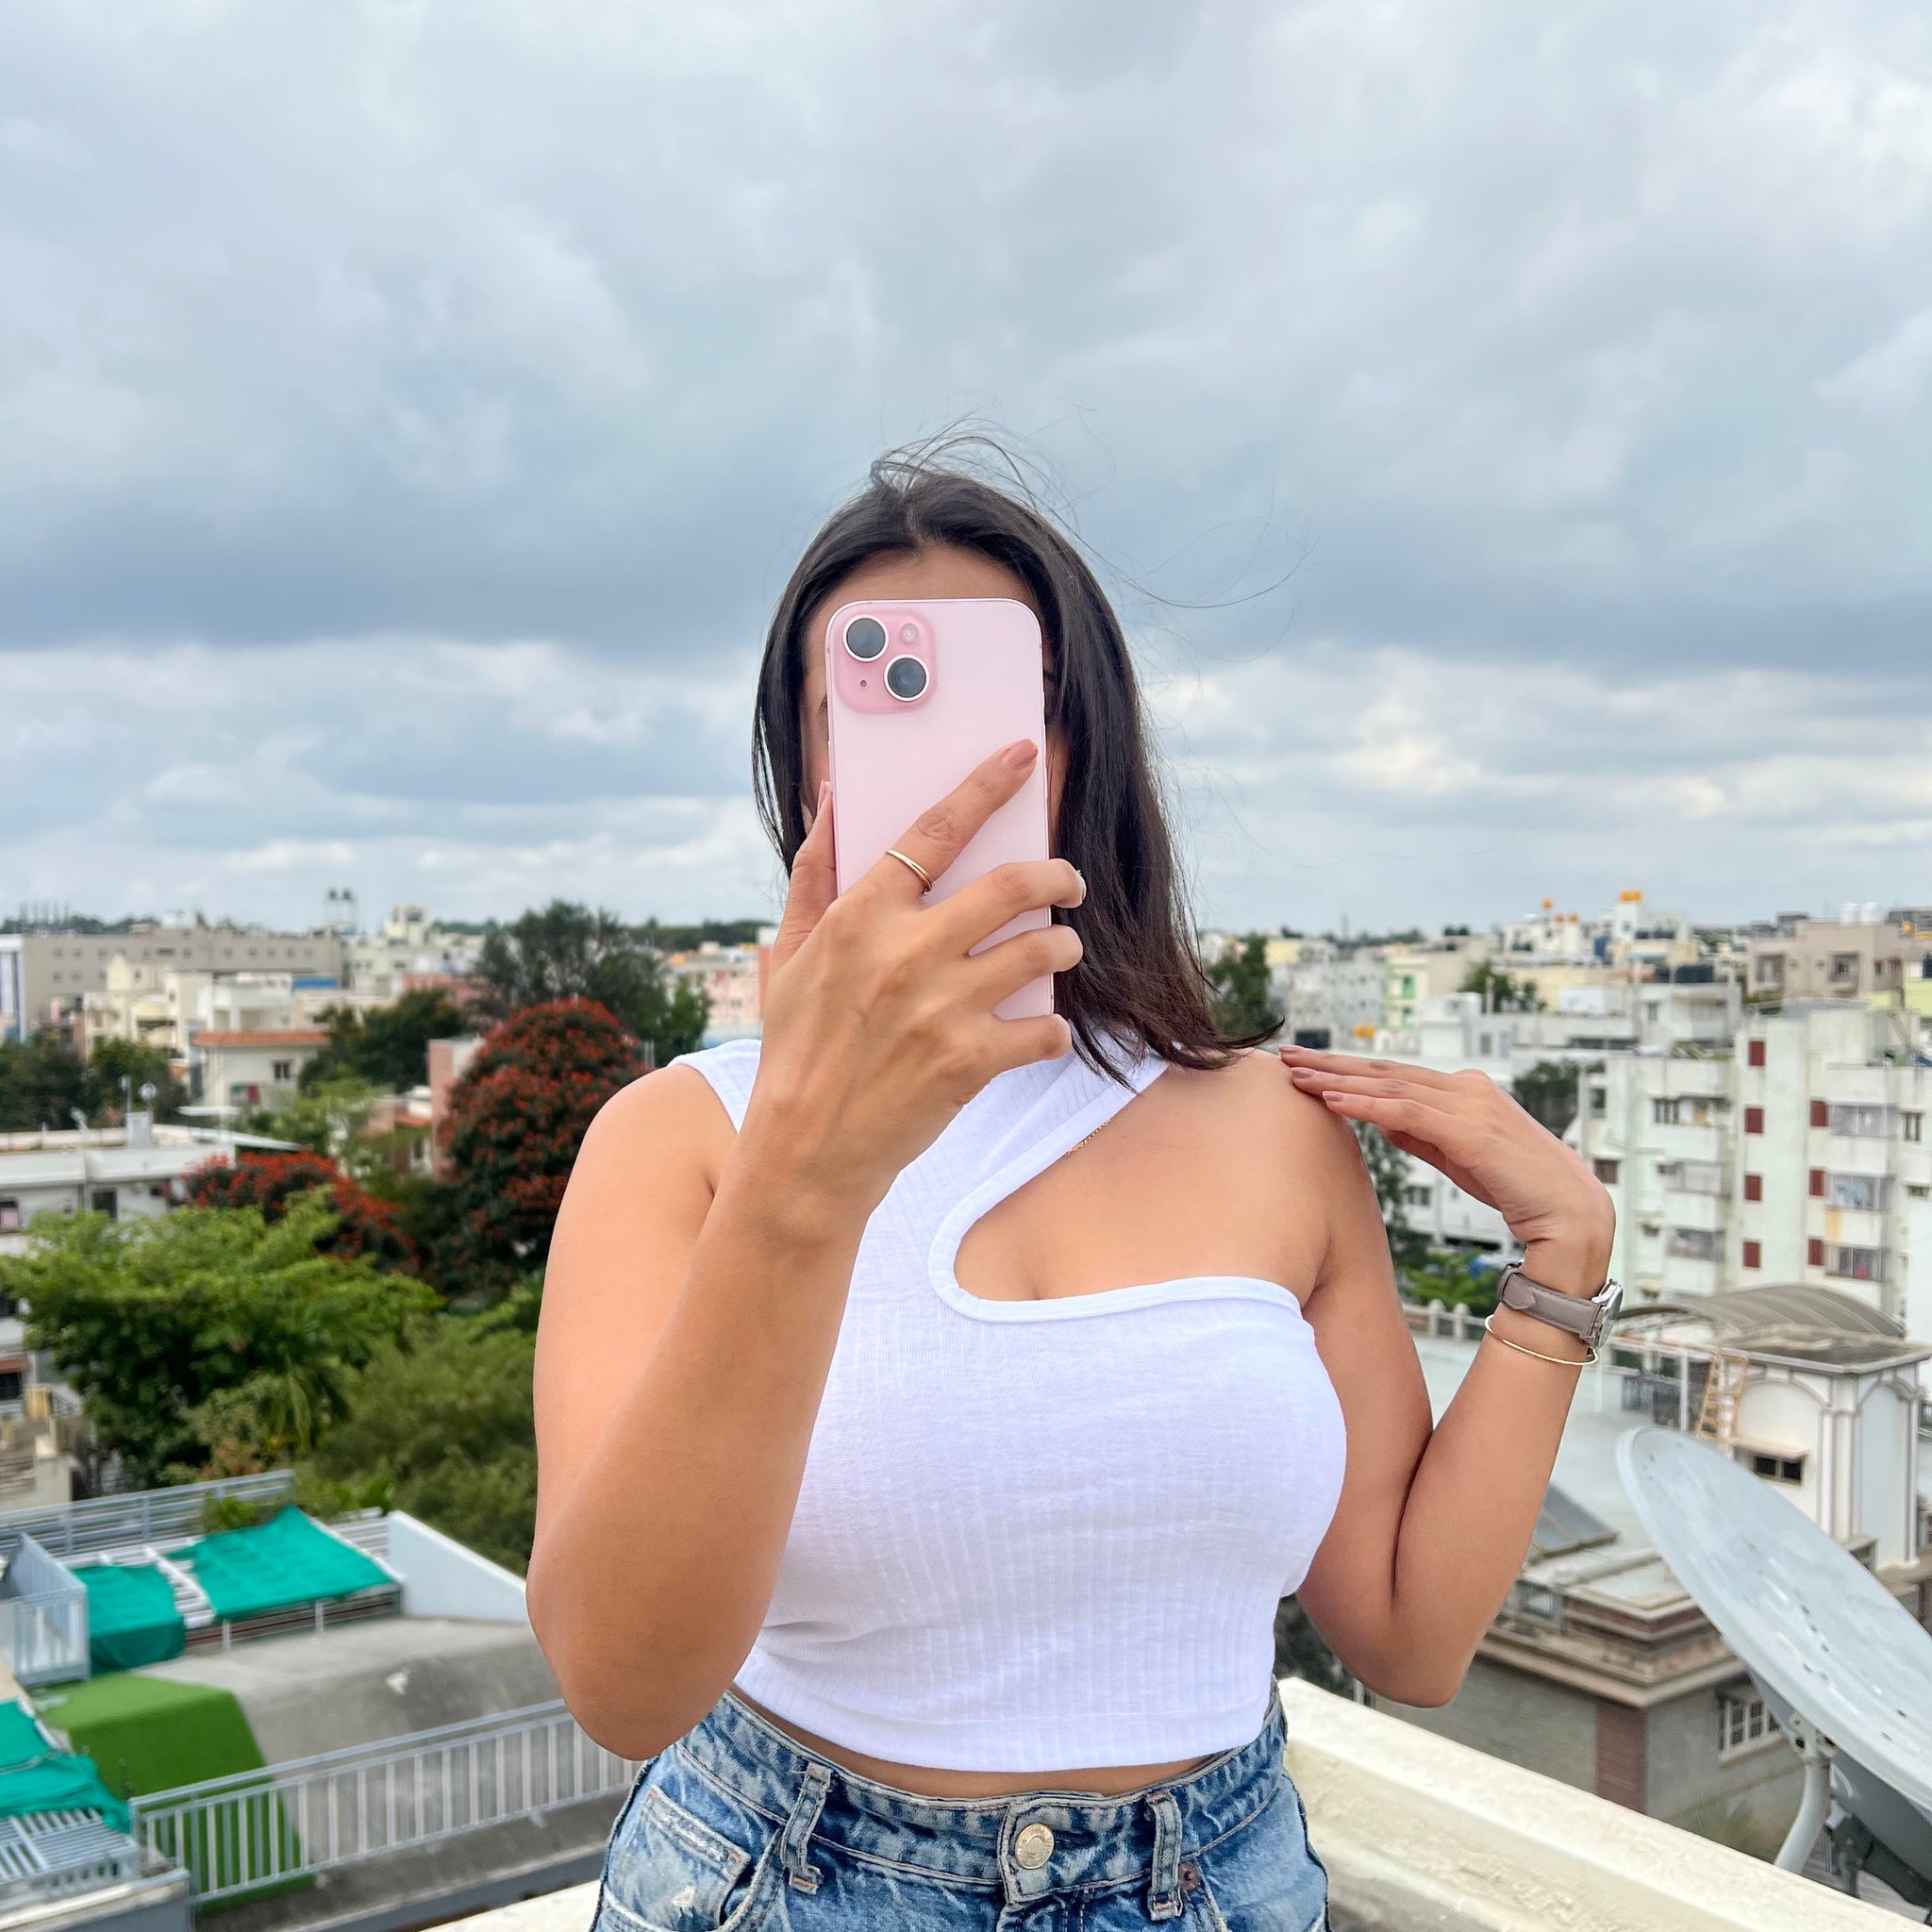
[{"x": 1106, "y": 1781}]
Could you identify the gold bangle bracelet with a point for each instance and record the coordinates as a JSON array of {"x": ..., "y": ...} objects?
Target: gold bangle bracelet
[{"x": 1562, "y": 1361}]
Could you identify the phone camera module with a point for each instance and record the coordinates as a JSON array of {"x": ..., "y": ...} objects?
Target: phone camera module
[
  {"x": 865, "y": 638},
  {"x": 905, "y": 678}
]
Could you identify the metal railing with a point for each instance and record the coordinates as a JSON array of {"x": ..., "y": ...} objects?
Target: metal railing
[
  {"x": 47, "y": 1854},
  {"x": 257, "y": 1829},
  {"x": 44, "y": 1627},
  {"x": 145, "y": 1516}
]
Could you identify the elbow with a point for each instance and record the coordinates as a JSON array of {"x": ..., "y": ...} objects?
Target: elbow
[{"x": 1422, "y": 1683}]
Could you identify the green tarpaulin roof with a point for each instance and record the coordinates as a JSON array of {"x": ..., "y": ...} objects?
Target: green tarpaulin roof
[
  {"x": 34, "y": 1777},
  {"x": 131, "y": 1618},
  {"x": 278, "y": 1564}
]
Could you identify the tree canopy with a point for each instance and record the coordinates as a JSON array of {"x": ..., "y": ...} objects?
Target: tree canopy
[
  {"x": 517, "y": 1118},
  {"x": 1242, "y": 1009},
  {"x": 43, "y": 1082},
  {"x": 1499, "y": 991},
  {"x": 358, "y": 1226},
  {"x": 164, "y": 1326},
  {"x": 1547, "y": 1092},
  {"x": 566, "y": 952},
  {"x": 445, "y": 1430},
  {"x": 387, "y": 1046}
]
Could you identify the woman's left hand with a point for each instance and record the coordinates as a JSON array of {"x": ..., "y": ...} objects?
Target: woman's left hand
[{"x": 1465, "y": 1126}]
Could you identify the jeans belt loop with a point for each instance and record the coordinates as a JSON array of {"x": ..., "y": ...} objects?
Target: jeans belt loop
[
  {"x": 1164, "y": 1891},
  {"x": 801, "y": 1824}
]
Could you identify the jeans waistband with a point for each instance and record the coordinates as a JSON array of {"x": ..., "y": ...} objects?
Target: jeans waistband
[{"x": 1138, "y": 1838}]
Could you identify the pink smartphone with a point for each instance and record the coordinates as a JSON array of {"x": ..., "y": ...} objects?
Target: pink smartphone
[{"x": 916, "y": 695}]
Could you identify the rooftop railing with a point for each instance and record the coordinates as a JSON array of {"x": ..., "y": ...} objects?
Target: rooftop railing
[
  {"x": 258, "y": 1829},
  {"x": 146, "y": 1516}
]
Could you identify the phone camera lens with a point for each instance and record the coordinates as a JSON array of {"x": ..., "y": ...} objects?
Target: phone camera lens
[
  {"x": 905, "y": 678},
  {"x": 865, "y": 638}
]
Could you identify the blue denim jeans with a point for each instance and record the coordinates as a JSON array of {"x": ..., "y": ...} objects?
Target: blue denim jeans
[{"x": 737, "y": 1827}]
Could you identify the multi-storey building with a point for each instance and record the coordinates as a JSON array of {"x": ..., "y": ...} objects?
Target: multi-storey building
[
  {"x": 1329, "y": 995},
  {"x": 732, "y": 980},
  {"x": 1799, "y": 1159},
  {"x": 409, "y": 948},
  {"x": 1412, "y": 976},
  {"x": 1851, "y": 958},
  {"x": 52, "y": 971}
]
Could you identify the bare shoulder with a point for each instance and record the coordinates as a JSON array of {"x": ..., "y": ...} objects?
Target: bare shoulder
[
  {"x": 1252, "y": 1108},
  {"x": 667, "y": 1126}
]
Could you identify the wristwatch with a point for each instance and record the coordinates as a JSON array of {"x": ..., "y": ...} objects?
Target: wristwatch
[{"x": 1587, "y": 1319}]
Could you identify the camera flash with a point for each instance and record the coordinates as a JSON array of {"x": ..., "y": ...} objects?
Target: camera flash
[{"x": 909, "y": 633}]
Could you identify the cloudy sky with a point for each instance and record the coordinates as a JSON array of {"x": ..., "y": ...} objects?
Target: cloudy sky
[{"x": 1504, "y": 427}]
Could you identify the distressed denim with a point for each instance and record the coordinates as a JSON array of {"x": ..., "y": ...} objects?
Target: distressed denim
[{"x": 737, "y": 1827}]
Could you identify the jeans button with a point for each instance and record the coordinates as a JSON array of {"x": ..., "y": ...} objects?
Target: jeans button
[{"x": 1033, "y": 1847}]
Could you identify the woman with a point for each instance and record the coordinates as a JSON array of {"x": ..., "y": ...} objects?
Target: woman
[{"x": 932, "y": 1409}]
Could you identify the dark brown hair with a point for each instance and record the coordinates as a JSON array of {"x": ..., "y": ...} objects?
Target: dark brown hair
[{"x": 1139, "y": 982}]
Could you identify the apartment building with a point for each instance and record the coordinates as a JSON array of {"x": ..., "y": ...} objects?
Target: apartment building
[
  {"x": 1850, "y": 959},
  {"x": 1329, "y": 995},
  {"x": 171, "y": 1007},
  {"x": 1412, "y": 976},
  {"x": 1799, "y": 1159},
  {"x": 46, "y": 975},
  {"x": 732, "y": 980},
  {"x": 409, "y": 949}
]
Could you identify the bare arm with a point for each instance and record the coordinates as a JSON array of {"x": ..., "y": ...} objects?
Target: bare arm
[
  {"x": 696, "y": 1282},
  {"x": 1433, "y": 1525}
]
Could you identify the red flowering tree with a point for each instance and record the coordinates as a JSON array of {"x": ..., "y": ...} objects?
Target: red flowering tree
[
  {"x": 364, "y": 1225},
  {"x": 516, "y": 1120}
]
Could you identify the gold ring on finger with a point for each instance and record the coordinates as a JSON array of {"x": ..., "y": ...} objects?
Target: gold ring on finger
[{"x": 911, "y": 865}]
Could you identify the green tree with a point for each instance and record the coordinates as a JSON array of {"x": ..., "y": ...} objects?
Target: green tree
[
  {"x": 327, "y": 1119},
  {"x": 139, "y": 1064},
  {"x": 385, "y": 1046},
  {"x": 566, "y": 952},
  {"x": 1499, "y": 992},
  {"x": 153, "y": 1321},
  {"x": 1242, "y": 1009},
  {"x": 1547, "y": 1092},
  {"x": 42, "y": 1084},
  {"x": 445, "y": 1431},
  {"x": 516, "y": 1120},
  {"x": 1388, "y": 1167}
]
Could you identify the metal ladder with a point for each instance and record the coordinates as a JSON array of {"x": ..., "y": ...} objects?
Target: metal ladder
[{"x": 1723, "y": 1383}]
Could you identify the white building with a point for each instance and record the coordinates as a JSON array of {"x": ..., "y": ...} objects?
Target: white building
[
  {"x": 732, "y": 979},
  {"x": 1330, "y": 996},
  {"x": 253, "y": 1066},
  {"x": 132, "y": 1171},
  {"x": 409, "y": 946}
]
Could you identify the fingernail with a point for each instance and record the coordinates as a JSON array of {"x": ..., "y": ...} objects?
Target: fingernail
[
  {"x": 1082, "y": 877},
  {"x": 824, "y": 793},
  {"x": 1019, "y": 753}
]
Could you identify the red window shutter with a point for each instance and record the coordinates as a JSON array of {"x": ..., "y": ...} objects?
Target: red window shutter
[
  {"x": 1753, "y": 1255},
  {"x": 1754, "y": 1054},
  {"x": 1754, "y": 1120},
  {"x": 1814, "y": 1253},
  {"x": 1821, "y": 1113},
  {"x": 1754, "y": 1187},
  {"x": 1818, "y": 1182}
]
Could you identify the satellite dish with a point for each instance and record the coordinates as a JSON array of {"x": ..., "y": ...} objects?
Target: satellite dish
[{"x": 1842, "y": 1665}]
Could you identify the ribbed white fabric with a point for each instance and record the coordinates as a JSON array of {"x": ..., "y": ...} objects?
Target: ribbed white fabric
[{"x": 1035, "y": 1536}]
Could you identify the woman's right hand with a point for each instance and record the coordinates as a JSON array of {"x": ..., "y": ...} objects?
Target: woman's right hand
[{"x": 879, "y": 1026}]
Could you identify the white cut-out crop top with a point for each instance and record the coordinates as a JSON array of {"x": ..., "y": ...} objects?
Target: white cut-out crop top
[{"x": 1040, "y": 1535}]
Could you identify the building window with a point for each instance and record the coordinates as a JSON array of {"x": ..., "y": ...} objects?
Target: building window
[
  {"x": 1754, "y": 1054},
  {"x": 1608, "y": 1171},
  {"x": 1743, "y": 1722},
  {"x": 1814, "y": 1253},
  {"x": 1663, "y": 1113},
  {"x": 1754, "y": 1187},
  {"x": 1691, "y": 1243},
  {"x": 1418, "y": 1197},
  {"x": 1692, "y": 1176},
  {"x": 105, "y": 1201},
  {"x": 1844, "y": 969},
  {"x": 282, "y": 1071},
  {"x": 1599, "y": 1100},
  {"x": 1911, "y": 1126},
  {"x": 1753, "y": 1255},
  {"x": 1771, "y": 969},
  {"x": 1862, "y": 1123},
  {"x": 1777, "y": 1469},
  {"x": 1754, "y": 1120},
  {"x": 1816, "y": 1183},
  {"x": 1864, "y": 1191},
  {"x": 1821, "y": 1113},
  {"x": 10, "y": 1217},
  {"x": 11, "y": 1381},
  {"x": 1855, "y": 1264}
]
